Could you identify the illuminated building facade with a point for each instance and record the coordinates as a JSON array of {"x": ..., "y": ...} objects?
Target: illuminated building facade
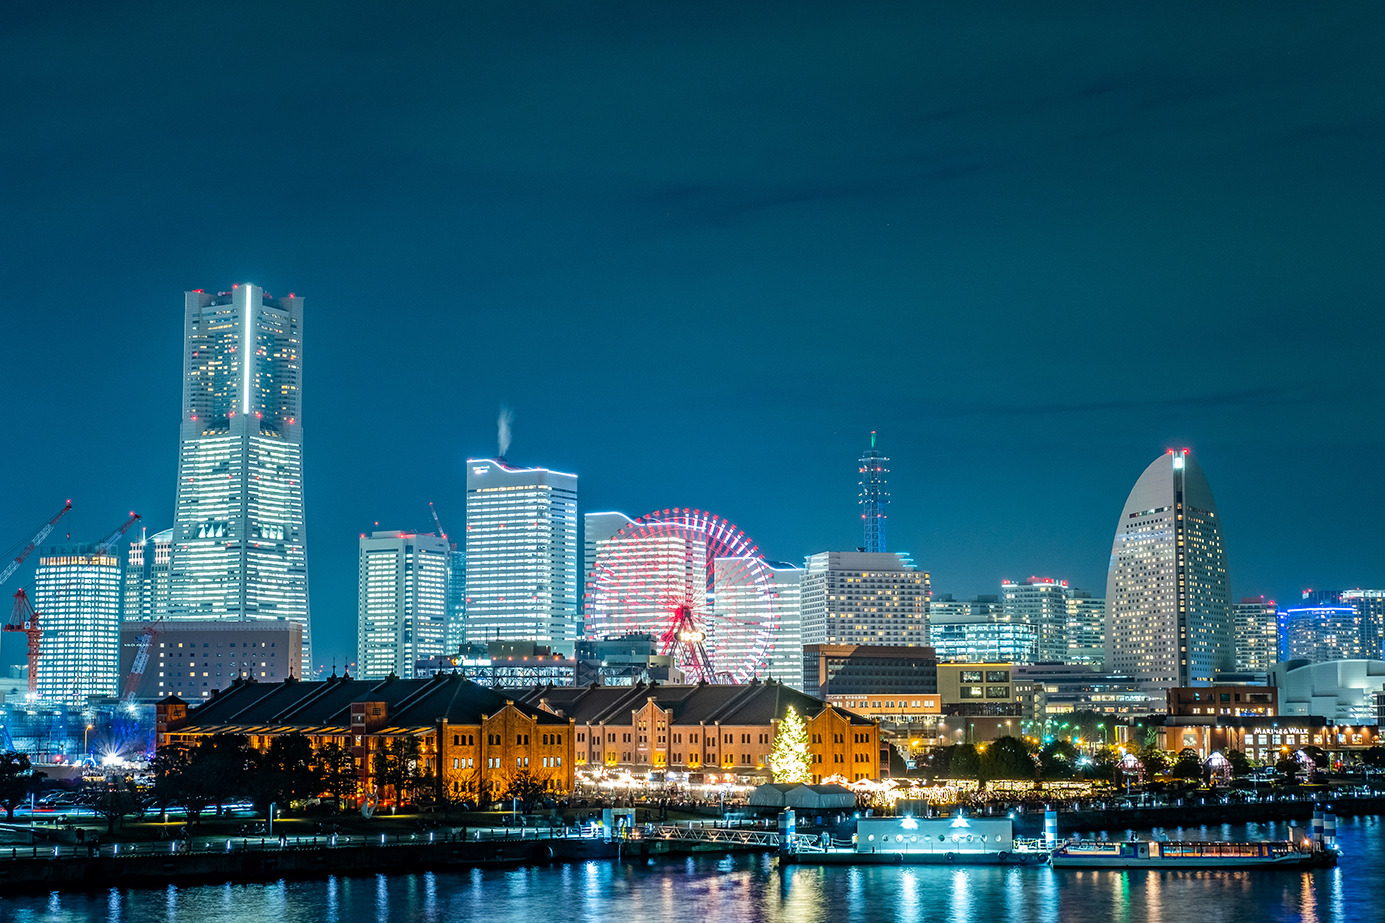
[
  {"x": 521, "y": 553},
  {"x": 1318, "y": 634},
  {"x": 192, "y": 660},
  {"x": 645, "y": 575},
  {"x": 1168, "y": 606},
  {"x": 874, "y": 498},
  {"x": 239, "y": 542},
  {"x": 77, "y": 597},
  {"x": 1370, "y": 609},
  {"x": 1086, "y": 630},
  {"x": 472, "y": 740},
  {"x": 980, "y": 638},
  {"x": 706, "y": 728},
  {"x": 1041, "y": 602},
  {"x": 852, "y": 597},
  {"x": 1255, "y": 634},
  {"x": 402, "y": 609},
  {"x": 148, "y": 577}
]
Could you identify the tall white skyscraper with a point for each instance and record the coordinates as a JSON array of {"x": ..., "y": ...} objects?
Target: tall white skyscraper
[
  {"x": 521, "y": 553},
  {"x": 402, "y": 610},
  {"x": 239, "y": 543},
  {"x": 859, "y": 597},
  {"x": 77, "y": 597},
  {"x": 148, "y": 577},
  {"x": 645, "y": 575},
  {"x": 1168, "y": 606}
]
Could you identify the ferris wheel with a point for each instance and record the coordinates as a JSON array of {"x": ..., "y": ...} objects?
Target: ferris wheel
[{"x": 694, "y": 581}]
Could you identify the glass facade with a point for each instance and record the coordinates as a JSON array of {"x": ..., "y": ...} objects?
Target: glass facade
[
  {"x": 238, "y": 546},
  {"x": 521, "y": 553},
  {"x": 1042, "y": 603},
  {"x": 1255, "y": 630},
  {"x": 77, "y": 598},
  {"x": 148, "y": 577},
  {"x": 402, "y": 610}
]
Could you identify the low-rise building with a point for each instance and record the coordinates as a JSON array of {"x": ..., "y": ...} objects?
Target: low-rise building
[
  {"x": 1240, "y": 701},
  {"x": 866, "y": 669},
  {"x": 706, "y": 728},
  {"x": 194, "y": 659},
  {"x": 475, "y": 740},
  {"x": 1263, "y": 739}
]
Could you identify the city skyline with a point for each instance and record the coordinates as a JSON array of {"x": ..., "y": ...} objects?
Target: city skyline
[{"x": 703, "y": 255}]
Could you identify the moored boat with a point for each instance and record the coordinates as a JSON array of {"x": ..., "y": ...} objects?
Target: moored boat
[{"x": 1154, "y": 854}]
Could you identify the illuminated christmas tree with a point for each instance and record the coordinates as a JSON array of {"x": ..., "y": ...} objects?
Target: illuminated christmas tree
[{"x": 790, "y": 759}]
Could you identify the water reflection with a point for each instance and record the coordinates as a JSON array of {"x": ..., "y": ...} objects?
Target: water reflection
[{"x": 755, "y": 889}]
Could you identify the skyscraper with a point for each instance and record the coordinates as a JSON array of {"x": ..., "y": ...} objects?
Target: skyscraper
[
  {"x": 1370, "y": 608},
  {"x": 1255, "y": 634},
  {"x": 521, "y": 553},
  {"x": 77, "y": 596},
  {"x": 402, "y": 610},
  {"x": 853, "y": 597},
  {"x": 1042, "y": 603},
  {"x": 239, "y": 543},
  {"x": 1168, "y": 606},
  {"x": 1320, "y": 633},
  {"x": 874, "y": 497},
  {"x": 1086, "y": 633},
  {"x": 147, "y": 577}
]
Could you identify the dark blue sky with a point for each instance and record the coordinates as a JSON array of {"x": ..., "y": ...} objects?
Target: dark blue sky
[{"x": 703, "y": 249}]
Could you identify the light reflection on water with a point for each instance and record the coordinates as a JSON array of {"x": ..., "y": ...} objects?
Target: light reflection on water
[{"x": 755, "y": 888}]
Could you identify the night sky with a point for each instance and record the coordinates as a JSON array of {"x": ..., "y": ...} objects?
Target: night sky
[{"x": 702, "y": 249}]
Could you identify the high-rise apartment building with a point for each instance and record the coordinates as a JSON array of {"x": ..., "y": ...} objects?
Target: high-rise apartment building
[
  {"x": 853, "y": 597},
  {"x": 874, "y": 498},
  {"x": 77, "y": 591},
  {"x": 521, "y": 554},
  {"x": 1320, "y": 633},
  {"x": 772, "y": 594},
  {"x": 1255, "y": 634},
  {"x": 402, "y": 609},
  {"x": 148, "y": 577},
  {"x": 1370, "y": 608},
  {"x": 1086, "y": 630},
  {"x": 1168, "y": 606},
  {"x": 239, "y": 542},
  {"x": 1042, "y": 603}
]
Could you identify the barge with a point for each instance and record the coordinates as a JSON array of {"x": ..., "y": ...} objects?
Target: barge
[
  {"x": 926, "y": 841},
  {"x": 1192, "y": 855}
]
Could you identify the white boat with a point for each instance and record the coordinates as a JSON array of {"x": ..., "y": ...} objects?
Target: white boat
[{"x": 1153, "y": 854}]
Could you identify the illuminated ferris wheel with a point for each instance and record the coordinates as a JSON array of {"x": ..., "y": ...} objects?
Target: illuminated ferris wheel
[{"x": 695, "y": 582}]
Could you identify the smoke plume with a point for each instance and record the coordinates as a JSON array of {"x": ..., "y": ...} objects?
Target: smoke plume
[{"x": 507, "y": 416}]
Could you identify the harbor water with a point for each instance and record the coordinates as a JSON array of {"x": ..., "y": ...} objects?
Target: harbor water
[{"x": 750, "y": 887}]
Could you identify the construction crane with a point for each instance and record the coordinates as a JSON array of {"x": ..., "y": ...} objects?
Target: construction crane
[
  {"x": 23, "y": 616},
  {"x": 146, "y": 641},
  {"x": 33, "y": 543},
  {"x": 438, "y": 522}
]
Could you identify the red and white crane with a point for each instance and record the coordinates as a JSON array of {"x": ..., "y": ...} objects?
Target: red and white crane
[{"x": 23, "y": 616}]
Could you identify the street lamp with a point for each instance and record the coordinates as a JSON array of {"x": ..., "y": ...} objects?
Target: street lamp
[{"x": 86, "y": 750}]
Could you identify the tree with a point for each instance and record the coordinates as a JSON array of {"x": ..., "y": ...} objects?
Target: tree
[
  {"x": 17, "y": 780},
  {"x": 524, "y": 788},
  {"x": 964, "y": 762},
  {"x": 221, "y": 769},
  {"x": 336, "y": 772},
  {"x": 1058, "y": 760},
  {"x": 169, "y": 769},
  {"x": 1240, "y": 763},
  {"x": 1374, "y": 758},
  {"x": 112, "y": 797},
  {"x": 1156, "y": 761},
  {"x": 284, "y": 772},
  {"x": 1318, "y": 755},
  {"x": 399, "y": 766},
  {"x": 789, "y": 759},
  {"x": 1007, "y": 758},
  {"x": 1188, "y": 765}
]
